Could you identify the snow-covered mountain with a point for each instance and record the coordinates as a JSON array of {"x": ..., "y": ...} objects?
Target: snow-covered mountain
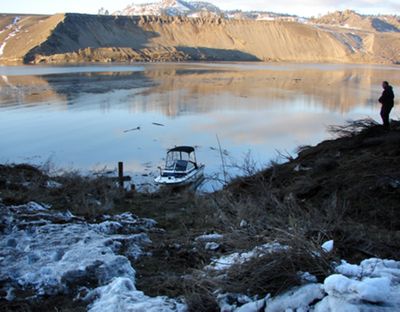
[
  {"x": 199, "y": 9},
  {"x": 172, "y": 8},
  {"x": 346, "y": 18},
  {"x": 261, "y": 16}
]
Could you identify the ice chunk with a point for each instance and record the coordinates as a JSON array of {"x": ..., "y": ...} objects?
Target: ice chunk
[
  {"x": 254, "y": 306},
  {"x": 50, "y": 257},
  {"x": 372, "y": 286},
  {"x": 243, "y": 223},
  {"x": 306, "y": 277},
  {"x": 53, "y": 184},
  {"x": 121, "y": 295},
  {"x": 327, "y": 246},
  {"x": 225, "y": 262},
  {"x": 337, "y": 284},
  {"x": 297, "y": 299},
  {"x": 212, "y": 246},
  {"x": 34, "y": 207},
  {"x": 374, "y": 290},
  {"x": 108, "y": 227},
  {"x": 334, "y": 304},
  {"x": 209, "y": 237},
  {"x": 349, "y": 269}
]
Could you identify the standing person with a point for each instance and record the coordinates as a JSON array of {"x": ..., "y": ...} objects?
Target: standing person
[{"x": 387, "y": 101}]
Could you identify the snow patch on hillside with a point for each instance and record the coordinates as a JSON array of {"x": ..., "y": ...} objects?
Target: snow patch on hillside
[{"x": 14, "y": 29}]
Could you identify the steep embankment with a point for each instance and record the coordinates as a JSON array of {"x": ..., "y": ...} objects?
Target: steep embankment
[
  {"x": 19, "y": 34},
  {"x": 351, "y": 19},
  {"x": 91, "y": 38}
]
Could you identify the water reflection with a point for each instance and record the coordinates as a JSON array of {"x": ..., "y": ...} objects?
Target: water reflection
[{"x": 78, "y": 117}]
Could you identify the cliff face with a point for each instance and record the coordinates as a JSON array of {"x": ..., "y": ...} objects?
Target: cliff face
[
  {"x": 91, "y": 38},
  {"x": 351, "y": 19}
]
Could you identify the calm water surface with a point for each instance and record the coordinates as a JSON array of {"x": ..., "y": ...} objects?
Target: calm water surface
[{"x": 81, "y": 117}]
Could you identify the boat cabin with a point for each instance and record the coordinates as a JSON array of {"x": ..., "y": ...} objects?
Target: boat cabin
[{"x": 180, "y": 161}]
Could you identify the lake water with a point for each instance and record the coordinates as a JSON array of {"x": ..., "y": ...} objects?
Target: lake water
[{"x": 90, "y": 117}]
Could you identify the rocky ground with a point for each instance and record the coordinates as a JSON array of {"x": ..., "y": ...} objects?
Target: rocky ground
[{"x": 345, "y": 190}]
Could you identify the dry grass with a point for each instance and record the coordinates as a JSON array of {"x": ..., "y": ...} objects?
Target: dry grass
[
  {"x": 354, "y": 127},
  {"x": 81, "y": 195},
  {"x": 338, "y": 193},
  {"x": 274, "y": 273}
]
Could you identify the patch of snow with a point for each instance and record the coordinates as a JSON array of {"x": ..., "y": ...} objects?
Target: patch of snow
[
  {"x": 33, "y": 207},
  {"x": 64, "y": 256},
  {"x": 3, "y": 45},
  {"x": 300, "y": 167},
  {"x": 16, "y": 20},
  {"x": 297, "y": 299},
  {"x": 254, "y": 306},
  {"x": 5, "y": 78},
  {"x": 371, "y": 286},
  {"x": 121, "y": 295},
  {"x": 13, "y": 33},
  {"x": 53, "y": 184},
  {"x": 327, "y": 246},
  {"x": 10, "y": 294},
  {"x": 306, "y": 277},
  {"x": 243, "y": 223},
  {"x": 225, "y": 262},
  {"x": 373, "y": 267},
  {"x": 212, "y": 246},
  {"x": 54, "y": 255},
  {"x": 107, "y": 227},
  {"x": 229, "y": 302},
  {"x": 369, "y": 289},
  {"x": 209, "y": 237}
]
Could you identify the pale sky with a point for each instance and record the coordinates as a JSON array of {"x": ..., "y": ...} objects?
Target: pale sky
[{"x": 299, "y": 7}]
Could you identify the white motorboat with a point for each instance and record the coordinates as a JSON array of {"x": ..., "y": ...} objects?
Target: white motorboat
[{"x": 181, "y": 167}]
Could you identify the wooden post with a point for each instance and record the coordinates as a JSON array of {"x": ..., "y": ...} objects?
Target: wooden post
[{"x": 121, "y": 174}]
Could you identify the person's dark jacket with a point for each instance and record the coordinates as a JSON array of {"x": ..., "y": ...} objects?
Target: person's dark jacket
[{"x": 387, "y": 97}]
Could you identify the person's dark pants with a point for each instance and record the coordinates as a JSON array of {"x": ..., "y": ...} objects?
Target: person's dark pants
[{"x": 385, "y": 111}]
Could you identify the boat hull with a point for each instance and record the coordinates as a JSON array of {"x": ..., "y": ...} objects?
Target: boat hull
[{"x": 190, "y": 178}]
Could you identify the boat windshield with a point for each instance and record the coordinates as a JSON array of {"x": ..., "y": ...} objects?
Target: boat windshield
[
  {"x": 181, "y": 165},
  {"x": 175, "y": 157}
]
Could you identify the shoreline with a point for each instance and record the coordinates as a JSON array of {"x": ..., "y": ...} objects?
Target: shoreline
[{"x": 343, "y": 190}]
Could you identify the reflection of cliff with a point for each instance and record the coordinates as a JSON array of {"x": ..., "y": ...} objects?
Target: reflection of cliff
[
  {"x": 75, "y": 84},
  {"x": 65, "y": 87},
  {"x": 90, "y": 38},
  {"x": 338, "y": 89},
  {"x": 25, "y": 90},
  {"x": 177, "y": 89}
]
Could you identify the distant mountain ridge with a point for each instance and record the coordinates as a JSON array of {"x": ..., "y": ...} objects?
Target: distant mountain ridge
[
  {"x": 171, "y": 8},
  {"x": 198, "y": 9},
  {"x": 346, "y": 18}
]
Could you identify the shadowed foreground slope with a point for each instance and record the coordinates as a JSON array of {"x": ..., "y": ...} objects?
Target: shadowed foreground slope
[{"x": 345, "y": 190}]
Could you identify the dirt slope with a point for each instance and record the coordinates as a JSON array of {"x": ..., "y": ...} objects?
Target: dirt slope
[
  {"x": 351, "y": 19},
  {"x": 352, "y": 181},
  {"x": 91, "y": 38},
  {"x": 19, "y": 34}
]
